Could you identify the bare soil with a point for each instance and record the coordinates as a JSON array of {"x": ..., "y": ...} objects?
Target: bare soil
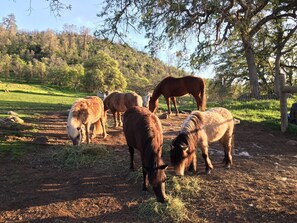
[{"x": 261, "y": 186}]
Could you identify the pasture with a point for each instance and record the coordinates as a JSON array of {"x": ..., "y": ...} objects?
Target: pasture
[{"x": 45, "y": 179}]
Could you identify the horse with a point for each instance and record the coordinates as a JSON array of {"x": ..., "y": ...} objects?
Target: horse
[
  {"x": 84, "y": 113},
  {"x": 146, "y": 100},
  {"x": 118, "y": 103},
  {"x": 171, "y": 87},
  {"x": 199, "y": 130},
  {"x": 143, "y": 131}
]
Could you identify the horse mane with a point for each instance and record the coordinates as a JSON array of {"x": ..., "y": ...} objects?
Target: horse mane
[{"x": 193, "y": 123}]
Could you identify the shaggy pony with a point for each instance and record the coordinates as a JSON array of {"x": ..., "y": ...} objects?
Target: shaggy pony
[
  {"x": 199, "y": 130},
  {"x": 84, "y": 114}
]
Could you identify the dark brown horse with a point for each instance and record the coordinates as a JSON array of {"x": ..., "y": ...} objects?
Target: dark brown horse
[
  {"x": 171, "y": 87},
  {"x": 143, "y": 131},
  {"x": 200, "y": 129},
  {"x": 118, "y": 102}
]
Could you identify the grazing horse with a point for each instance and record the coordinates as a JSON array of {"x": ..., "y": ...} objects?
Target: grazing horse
[
  {"x": 143, "y": 131},
  {"x": 118, "y": 103},
  {"x": 171, "y": 87},
  {"x": 198, "y": 130},
  {"x": 86, "y": 112}
]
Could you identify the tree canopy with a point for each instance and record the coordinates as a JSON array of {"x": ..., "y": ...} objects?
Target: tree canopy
[{"x": 211, "y": 25}]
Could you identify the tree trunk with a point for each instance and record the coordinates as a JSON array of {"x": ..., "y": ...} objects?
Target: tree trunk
[
  {"x": 250, "y": 58},
  {"x": 278, "y": 82}
]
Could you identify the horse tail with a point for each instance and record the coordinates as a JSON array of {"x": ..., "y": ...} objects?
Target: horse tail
[{"x": 203, "y": 96}]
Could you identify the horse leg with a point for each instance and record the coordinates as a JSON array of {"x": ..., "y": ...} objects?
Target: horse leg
[
  {"x": 168, "y": 105},
  {"x": 102, "y": 122},
  {"x": 87, "y": 128},
  {"x": 208, "y": 164},
  {"x": 174, "y": 103},
  {"x": 193, "y": 164},
  {"x": 131, "y": 151},
  {"x": 120, "y": 119},
  {"x": 227, "y": 142},
  {"x": 115, "y": 118},
  {"x": 198, "y": 101},
  {"x": 145, "y": 179}
]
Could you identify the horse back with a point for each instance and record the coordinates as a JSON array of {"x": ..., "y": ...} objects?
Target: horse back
[
  {"x": 143, "y": 130},
  {"x": 132, "y": 99},
  {"x": 218, "y": 123},
  {"x": 95, "y": 109}
]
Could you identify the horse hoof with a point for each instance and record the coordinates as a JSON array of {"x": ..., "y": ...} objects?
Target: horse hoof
[{"x": 208, "y": 172}]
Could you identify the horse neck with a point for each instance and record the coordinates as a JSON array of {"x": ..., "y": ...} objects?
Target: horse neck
[
  {"x": 156, "y": 94},
  {"x": 152, "y": 156}
]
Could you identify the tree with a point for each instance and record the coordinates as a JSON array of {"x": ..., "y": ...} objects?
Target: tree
[
  {"x": 178, "y": 21},
  {"x": 104, "y": 72}
]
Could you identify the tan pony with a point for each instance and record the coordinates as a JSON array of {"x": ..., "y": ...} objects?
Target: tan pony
[
  {"x": 199, "y": 130},
  {"x": 118, "y": 103},
  {"x": 86, "y": 112}
]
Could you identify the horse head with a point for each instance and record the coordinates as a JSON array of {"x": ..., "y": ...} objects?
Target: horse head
[
  {"x": 153, "y": 105},
  {"x": 180, "y": 154},
  {"x": 157, "y": 178},
  {"x": 75, "y": 134}
]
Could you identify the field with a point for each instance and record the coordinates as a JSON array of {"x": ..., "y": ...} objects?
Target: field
[{"x": 45, "y": 179}]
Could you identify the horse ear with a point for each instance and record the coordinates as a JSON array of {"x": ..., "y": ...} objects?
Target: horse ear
[
  {"x": 185, "y": 148},
  {"x": 163, "y": 167}
]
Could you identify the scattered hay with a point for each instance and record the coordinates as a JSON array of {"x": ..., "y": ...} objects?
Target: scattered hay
[
  {"x": 79, "y": 156},
  {"x": 173, "y": 210},
  {"x": 182, "y": 189}
]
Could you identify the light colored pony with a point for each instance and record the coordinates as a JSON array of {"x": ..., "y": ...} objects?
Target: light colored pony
[
  {"x": 146, "y": 100},
  {"x": 199, "y": 130},
  {"x": 118, "y": 103},
  {"x": 86, "y": 112}
]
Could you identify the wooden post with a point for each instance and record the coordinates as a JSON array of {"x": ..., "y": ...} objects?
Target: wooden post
[
  {"x": 284, "y": 111},
  {"x": 283, "y": 104}
]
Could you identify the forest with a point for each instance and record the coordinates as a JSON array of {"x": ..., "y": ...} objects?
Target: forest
[{"x": 76, "y": 60}]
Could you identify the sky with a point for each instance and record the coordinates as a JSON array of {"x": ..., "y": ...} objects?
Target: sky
[{"x": 82, "y": 13}]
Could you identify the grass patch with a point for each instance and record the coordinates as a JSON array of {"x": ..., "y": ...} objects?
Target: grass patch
[
  {"x": 75, "y": 157},
  {"x": 15, "y": 149}
]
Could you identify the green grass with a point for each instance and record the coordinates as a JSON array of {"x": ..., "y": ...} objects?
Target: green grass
[
  {"x": 266, "y": 112},
  {"x": 27, "y": 101}
]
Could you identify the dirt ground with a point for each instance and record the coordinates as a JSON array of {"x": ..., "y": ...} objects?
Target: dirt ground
[{"x": 261, "y": 186}]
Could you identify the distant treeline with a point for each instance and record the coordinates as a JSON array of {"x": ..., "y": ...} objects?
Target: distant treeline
[{"x": 76, "y": 60}]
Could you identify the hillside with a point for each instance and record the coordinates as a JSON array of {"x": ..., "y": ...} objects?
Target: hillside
[{"x": 76, "y": 60}]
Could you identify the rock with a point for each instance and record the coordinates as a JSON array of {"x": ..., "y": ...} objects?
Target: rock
[
  {"x": 13, "y": 113},
  {"x": 16, "y": 119},
  {"x": 291, "y": 143},
  {"x": 163, "y": 116},
  {"x": 40, "y": 140}
]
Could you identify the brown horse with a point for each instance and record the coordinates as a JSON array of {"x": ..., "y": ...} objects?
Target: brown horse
[
  {"x": 143, "y": 131},
  {"x": 86, "y": 112},
  {"x": 171, "y": 87},
  {"x": 118, "y": 103},
  {"x": 200, "y": 129}
]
